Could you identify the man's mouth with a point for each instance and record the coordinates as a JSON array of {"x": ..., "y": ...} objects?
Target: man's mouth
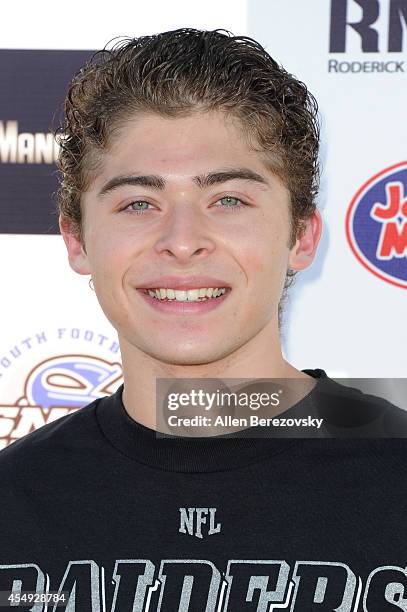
[
  {"x": 202, "y": 294},
  {"x": 185, "y": 302}
]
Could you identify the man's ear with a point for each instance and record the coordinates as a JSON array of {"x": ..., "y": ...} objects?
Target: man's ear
[
  {"x": 303, "y": 252},
  {"x": 78, "y": 259}
]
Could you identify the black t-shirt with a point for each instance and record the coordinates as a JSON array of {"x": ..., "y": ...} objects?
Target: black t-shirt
[{"x": 96, "y": 506}]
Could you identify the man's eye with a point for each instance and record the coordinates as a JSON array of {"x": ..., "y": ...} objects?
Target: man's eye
[
  {"x": 137, "y": 209},
  {"x": 230, "y": 202}
]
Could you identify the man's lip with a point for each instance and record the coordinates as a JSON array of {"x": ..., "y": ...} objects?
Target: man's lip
[{"x": 184, "y": 283}]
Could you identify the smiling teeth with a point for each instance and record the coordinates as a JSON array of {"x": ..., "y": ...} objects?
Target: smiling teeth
[{"x": 193, "y": 295}]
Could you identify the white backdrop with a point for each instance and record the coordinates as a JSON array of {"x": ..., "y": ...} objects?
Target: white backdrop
[{"x": 340, "y": 317}]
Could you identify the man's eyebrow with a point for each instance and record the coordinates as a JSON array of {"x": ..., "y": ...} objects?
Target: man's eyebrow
[{"x": 202, "y": 180}]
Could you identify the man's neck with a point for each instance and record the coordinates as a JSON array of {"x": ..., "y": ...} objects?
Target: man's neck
[{"x": 141, "y": 371}]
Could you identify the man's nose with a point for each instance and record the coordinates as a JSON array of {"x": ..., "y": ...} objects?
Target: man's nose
[{"x": 186, "y": 232}]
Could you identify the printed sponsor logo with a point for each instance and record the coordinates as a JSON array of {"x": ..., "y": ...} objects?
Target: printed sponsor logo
[
  {"x": 376, "y": 225},
  {"x": 26, "y": 147},
  {"x": 375, "y": 26},
  {"x": 54, "y": 388},
  {"x": 33, "y": 86}
]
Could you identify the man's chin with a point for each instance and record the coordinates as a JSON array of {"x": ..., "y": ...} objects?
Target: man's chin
[{"x": 185, "y": 355}]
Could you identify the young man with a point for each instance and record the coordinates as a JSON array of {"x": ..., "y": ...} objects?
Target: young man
[{"x": 189, "y": 166}]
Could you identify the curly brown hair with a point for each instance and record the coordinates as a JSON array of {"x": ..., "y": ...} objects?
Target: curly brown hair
[{"x": 174, "y": 74}]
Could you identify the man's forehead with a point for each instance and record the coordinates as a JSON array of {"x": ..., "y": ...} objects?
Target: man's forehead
[
  {"x": 182, "y": 138},
  {"x": 142, "y": 149}
]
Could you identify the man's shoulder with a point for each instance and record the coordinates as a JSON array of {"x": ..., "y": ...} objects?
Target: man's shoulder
[
  {"x": 57, "y": 437},
  {"x": 346, "y": 407}
]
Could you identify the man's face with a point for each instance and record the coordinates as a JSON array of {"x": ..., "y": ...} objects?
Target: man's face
[{"x": 235, "y": 230}]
